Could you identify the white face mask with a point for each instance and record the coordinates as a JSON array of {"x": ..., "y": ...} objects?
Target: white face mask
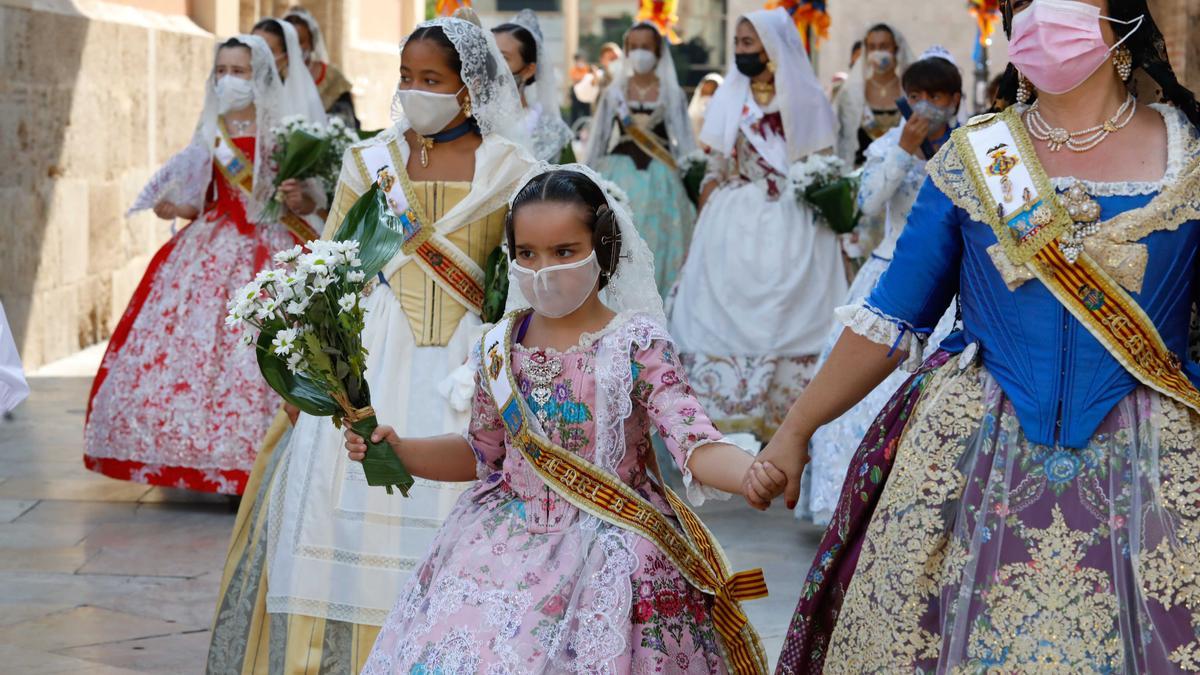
[
  {"x": 881, "y": 60},
  {"x": 642, "y": 61},
  {"x": 233, "y": 93},
  {"x": 558, "y": 290},
  {"x": 427, "y": 112}
]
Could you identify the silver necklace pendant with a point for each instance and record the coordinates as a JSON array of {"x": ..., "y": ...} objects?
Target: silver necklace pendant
[{"x": 541, "y": 371}]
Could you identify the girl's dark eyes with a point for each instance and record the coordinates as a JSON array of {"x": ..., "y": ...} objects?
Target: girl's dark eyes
[
  {"x": 525, "y": 254},
  {"x": 565, "y": 252}
]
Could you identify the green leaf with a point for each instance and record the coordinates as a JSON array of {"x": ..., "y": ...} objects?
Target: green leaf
[
  {"x": 303, "y": 152},
  {"x": 375, "y": 227},
  {"x": 495, "y": 286},
  {"x": 876, "y": 475},
  {"x": 298, "y": 390}
]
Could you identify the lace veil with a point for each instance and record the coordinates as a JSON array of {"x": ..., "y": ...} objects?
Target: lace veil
[
  {"x": 631, "y": 289},
  {"x": 851, "y": 101},
  {"x": 495, "y": 104},
  {"x": 546, "y": 127},
  {"x": 809, "y": 124},
  {"x": 186, "y": 177},
  {"x": 670, "y": 96},
  {"x": 320, "y": 53},
  {"x": 300, "y": 95}
]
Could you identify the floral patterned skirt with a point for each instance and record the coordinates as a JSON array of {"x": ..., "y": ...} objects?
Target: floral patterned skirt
[
  {"x": 493, "y": 597},
  {"x": 178, "y": 400},
  {"x": 958, "y": 546}
]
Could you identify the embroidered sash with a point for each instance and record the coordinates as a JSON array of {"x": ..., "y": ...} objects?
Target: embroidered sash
[
  {"x": 239, "y": 171},
  {"x": 775, "y": 153},
  {"x": 644, "y": 139},
  {"x": 694, "y": 552},
  {"x": 231, "y": 162},
  {"x": 1028, "y": 218},
  {"x": 450, "y": 268}
]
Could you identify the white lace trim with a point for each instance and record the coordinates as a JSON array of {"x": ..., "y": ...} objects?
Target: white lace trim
[
  {"x": 884, "y": 330},
  {"x": 1182, "y": 148},
  {"x": 586, "y": 340}
]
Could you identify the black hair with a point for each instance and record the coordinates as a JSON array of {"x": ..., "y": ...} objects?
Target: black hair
[
  {"x": 233, "y": 42},
  {"x": 652, "y": 29},
  {"x": 436, "y": 34},
  {"x": 272, "y": 26},
  {"x": 879, "y": 27},
  {"x": 528, "y": 44},
  {"x": 1146, "y": 45},
  {"x": 858, "y": 44},
  {"x": 299, "y": 22},
  {"x": 572, "y": 187},
  {"x": 933, "y": 75}
]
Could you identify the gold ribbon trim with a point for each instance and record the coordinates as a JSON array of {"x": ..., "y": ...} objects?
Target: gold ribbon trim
[
  {"x": 1110, "y": 314},
  {"x": 694, "y": 551}
]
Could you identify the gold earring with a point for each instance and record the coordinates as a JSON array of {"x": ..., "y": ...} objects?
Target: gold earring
[
  {"x": 466, "y": 108},
  {"x": 1024, "y": 89},
  {"x": 1123, "y": 60},
  {"x": 771, "y": 66}
]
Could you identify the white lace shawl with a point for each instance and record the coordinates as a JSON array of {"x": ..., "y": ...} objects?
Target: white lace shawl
[{"x": 544, "y": 124}]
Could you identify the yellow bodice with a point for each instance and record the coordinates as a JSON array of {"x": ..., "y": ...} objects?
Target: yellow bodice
[{"x": 432, "y": 313}]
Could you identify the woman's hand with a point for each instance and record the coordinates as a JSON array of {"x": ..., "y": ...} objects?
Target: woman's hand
[
  {"x": 357, "y": 447},
  {"x": 790, "y": 459},
  {"x": 916, "y": 130},
  {"x": 296, "y": 198},
  {"x": 167, "y": 210},
  {"x": 292, "y": 411}
]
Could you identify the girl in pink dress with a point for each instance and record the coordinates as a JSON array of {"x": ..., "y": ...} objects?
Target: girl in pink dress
[{"x": 526, "y": 576}]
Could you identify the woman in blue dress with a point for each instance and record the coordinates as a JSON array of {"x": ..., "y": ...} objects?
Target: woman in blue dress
[{"x": 1028, "y": 502}]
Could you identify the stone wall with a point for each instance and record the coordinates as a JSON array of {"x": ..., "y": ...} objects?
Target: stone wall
[
  {"x": 91, "y": 102},
  {"x": 94, "y": 97}
]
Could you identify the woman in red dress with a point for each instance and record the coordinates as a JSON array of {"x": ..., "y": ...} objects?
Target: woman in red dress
[{"x": 178, "y": 401}]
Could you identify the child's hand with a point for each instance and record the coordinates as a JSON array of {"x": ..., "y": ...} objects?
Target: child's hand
[
  {"x": 763, "y": 483},
  {"x": 357, "y": 447}
]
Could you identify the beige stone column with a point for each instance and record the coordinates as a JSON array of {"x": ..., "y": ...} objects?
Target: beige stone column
[
  {"x": 412, "y": 12},
  {"x": 219, "y": 17},
  {"x": 570, "y": 14}
]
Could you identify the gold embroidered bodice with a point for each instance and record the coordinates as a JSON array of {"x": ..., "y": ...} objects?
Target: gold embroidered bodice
[{"x": 432, "y": 313}]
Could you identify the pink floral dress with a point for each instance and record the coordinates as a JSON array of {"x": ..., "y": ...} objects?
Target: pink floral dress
[{"x": 520, "y": 581}]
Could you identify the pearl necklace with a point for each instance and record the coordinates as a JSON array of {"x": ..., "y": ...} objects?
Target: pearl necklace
[
  {"x": 1078, "y": 141},
  {"x": 240, "y": 128}
]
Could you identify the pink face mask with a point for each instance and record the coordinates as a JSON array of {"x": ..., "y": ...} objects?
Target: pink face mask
[{"x": 1057, "y": 43}]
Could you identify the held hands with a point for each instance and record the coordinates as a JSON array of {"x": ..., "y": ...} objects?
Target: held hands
[
  {"x": 296, "y": 198},
  {"x": 356, "y": 447},
  {"x": 763, "y": 482},
  {"x": 777, "y": 471}
]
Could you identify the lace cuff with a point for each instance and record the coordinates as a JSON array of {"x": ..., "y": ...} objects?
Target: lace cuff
[
  {"x": 882, "y": 329},
  {"x": 695, "y": 491}
]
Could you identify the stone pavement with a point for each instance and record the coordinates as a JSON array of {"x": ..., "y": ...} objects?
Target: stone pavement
[{"x": 105, "y": 577}]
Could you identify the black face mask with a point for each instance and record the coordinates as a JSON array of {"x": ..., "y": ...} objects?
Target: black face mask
[{"x": 750, "y": 65}]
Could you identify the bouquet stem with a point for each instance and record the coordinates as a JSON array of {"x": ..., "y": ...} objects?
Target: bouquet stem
[{"x": 381, "y": 465}]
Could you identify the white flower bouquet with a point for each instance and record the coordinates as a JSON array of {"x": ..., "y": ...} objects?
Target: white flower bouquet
[
  {"x": 304, "y": 150},
  {"x": 306, "y": 318},
  {"x": 819, "y": 182}
]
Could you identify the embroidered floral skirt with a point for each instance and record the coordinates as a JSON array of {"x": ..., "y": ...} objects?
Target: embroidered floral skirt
[
  {"x": 178, "y": 400},
  {"x": 494, "y": 597},
  {"x": 958, "y": 546}
]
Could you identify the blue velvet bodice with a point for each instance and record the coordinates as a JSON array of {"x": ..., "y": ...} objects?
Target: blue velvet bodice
[{"x": 1060, "y": 379}]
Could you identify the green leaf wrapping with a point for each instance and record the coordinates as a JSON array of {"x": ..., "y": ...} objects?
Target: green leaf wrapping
[
  {"x": 381, "y": 465},
  {"x": 495, "y": 286},
  {"x": 377, "y": 229},
  {"x": 692, "y": 180},
  {"x": 295, "y": 389},
  {"x": 836, "y": 202},
  {"x": 302, "y": 154}
]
